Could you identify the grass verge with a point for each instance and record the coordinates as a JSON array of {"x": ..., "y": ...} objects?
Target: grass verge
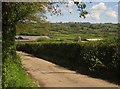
[{"x": 14, "y": 75}]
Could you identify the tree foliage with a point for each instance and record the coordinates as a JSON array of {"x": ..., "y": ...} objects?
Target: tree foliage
[{"x": 12, "y": 12}]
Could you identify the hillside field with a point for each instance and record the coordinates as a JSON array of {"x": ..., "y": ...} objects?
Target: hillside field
[{"x": 68, "y": 31}]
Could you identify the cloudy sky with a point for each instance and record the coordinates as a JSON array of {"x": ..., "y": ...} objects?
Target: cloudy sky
[{"x": 100, "y": 12}]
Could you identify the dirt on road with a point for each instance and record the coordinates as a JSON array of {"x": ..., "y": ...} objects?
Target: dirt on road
[{"x": 52, "y": 75}]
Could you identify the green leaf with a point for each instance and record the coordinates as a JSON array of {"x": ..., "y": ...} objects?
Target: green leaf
[
  {"x": 85, "y": 12},
  {"x": 77, "y": 3},
  {"x": 84, "y": 6}
]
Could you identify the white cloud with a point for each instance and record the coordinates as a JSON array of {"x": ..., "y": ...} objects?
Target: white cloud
[
  {"x": 111, "y": 13},
  {"x": 100, "y": 7},
  {"x": 97, "y": 10},
  {"x": 95, "y": 15}
]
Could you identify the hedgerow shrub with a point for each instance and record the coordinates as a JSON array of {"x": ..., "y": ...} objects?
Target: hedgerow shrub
[{"x": 98, "y": 57}]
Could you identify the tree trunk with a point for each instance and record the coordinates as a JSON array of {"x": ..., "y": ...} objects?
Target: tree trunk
[
  {"x": 8, "y": 40},
  {"x": 8, "y": 32}
]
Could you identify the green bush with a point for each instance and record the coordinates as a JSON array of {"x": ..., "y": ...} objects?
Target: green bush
[{"x": 97, "y": 57}]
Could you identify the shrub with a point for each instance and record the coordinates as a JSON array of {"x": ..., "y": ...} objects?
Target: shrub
[{"x": 98, "y": 57}]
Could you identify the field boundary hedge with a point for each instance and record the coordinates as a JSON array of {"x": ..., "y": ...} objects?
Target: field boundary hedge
[{"x": 99, "y": 58}]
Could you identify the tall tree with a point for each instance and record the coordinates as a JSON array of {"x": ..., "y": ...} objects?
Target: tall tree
[{"x": 12, "y": 12}]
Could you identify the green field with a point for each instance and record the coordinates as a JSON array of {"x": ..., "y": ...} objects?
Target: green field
[{"x": 68, "y": 31}]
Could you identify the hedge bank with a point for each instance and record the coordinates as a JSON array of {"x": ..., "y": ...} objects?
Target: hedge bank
[{"x": 97, "y": 57}]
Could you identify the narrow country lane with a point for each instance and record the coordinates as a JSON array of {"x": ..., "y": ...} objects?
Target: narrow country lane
[{"x": 52, "y": 75}]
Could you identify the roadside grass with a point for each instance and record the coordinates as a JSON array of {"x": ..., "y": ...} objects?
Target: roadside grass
[{"x": 14, "y": 75}]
